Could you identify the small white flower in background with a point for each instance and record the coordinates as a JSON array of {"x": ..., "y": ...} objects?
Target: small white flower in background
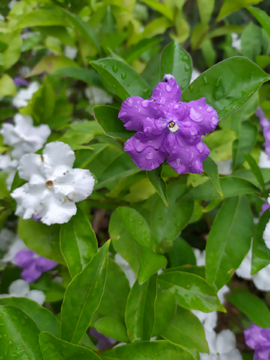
[
  {"x": 12, "y": 3},
  {"x": 236, "y": 41},
  {"x": 222, "y": 346},
  {"x": 200, "y": 257},
  {"x": 8, "y": 166},
  {"x": 261, "y": 279},
  {"x": 15, "y": 245},
  {"x": 7, "y": 237},
  {"x": 264, "y": 161},
  {"x": 21, "y": 288},
  {"x": 24, "y": 95},
  {"x": 23, "y": 136},
  {"x": 70, "y": 52},
  {"x": 224, "y": 167},
  {"x": 53, "y": 186},
  {"x": 195, "y": 73},
  {"x": 98, "y": 96},
  {"x": 124, "y": 265}
]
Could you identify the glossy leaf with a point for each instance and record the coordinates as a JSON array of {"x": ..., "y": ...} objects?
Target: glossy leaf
[
  {"x": 122, "y": 78},
  {"x": 107, "y": 117},
  {"x": 44, "y": 318},
  {"x": 112, "y": 328},
  {"x": 78, "y": 242},
  {"x": 148, "y": 350},
  {"x": 227, "y": 85},
  {"x": 140, "y": 315},
  {"x": 192, "y": 291},
  {"x": 261, "y": 17},
  {"x": 181, "y": 253},
  {"x": 230, "y": 186},
  {"x": 176, "y": 61},
  {"x": 21, "y": 334},
  {"x": 252, "y": 306},
  {"x": 165, "y": 309},
  {"x": 113, "y": 302},
  {"x": 186, "y": 330},
  {"x": 211, "y": 169},
  {"x": 53, "y": 348},
  {"x": 167, "y": 222},
  {"x": 41, "y": 238},
  {"x": 85, "y": 290},
  {"x": 149, "y": 264},
  {"x": 229, "y": 6},
  {"x": 260, "y": 252},
  {"x": 229, "y": 240},
  {"x": 255, "y": 169},
  {"x": 159, "y": 184}
]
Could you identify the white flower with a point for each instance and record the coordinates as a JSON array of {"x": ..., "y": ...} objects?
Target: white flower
[
  {"x": 12, "y": 3},
  {"x": 200, "y": 257},
  {"x": 264, "y": 161},
  {"x": 97, "y": 96},
  {"x": 224, "y": 167},
  {"x": 53, "y": 186},
  {"x": 24, "y": 95},
  {"x": 222, "y": 346},
  {"x": 124, "y": 265},
  {"x": 8, "y": 166},
  {"x": 236, "y": 41},
  {"x": 261, "y": 279},
  {"x": 16, "y": 245},
  {"x": 21, "y": 288},
  {"x": 70, "y": 52},
  {"x": 24, "y": 137},
  {"x": 6, "y": 239},
  {"x": 194, "y": 75}
]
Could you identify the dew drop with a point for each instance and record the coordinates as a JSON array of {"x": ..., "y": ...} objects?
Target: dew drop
[
  {"x": 217, "y": 82},
  {"x": 145, "y": 103},
  {"x": 195, "y": 116},
  {"x": 209, "y": 109},
  {"x": 115, "y": 68},
  {"x": 186, "y": 68},
  {"x": 123, "y": 75},
  {"x": 205, "y": 80},
  {"x": 128, "y": 85},
  {"x": 168, "y": 88}
]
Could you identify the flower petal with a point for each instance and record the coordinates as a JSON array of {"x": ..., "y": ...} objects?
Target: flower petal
[
  {"x": 262, "y": 279},
  {"x": 168, "y": 91},
  {"x": 30, "y": 168},
  {"x": 43, "y": 264},
  {"x": 225, "y": 341},
  {"x": 31, "y": 273},
  {"x": 24, "y": 258},
  {"x": 244, "y": 270},
  {"x": 37, "y": 296},
  {"x": 19, "y": 288},
  {"x": 204, "y": 116},
  {"x": 58, "y": 153}
]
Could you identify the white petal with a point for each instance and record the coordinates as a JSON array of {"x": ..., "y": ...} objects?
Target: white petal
[
  {"x": 10, "y": 134},
  {"x": 210, "y": 321},
  {"x": 23, "y": 96},
  {"x": 225, "y": 341},
  {"x": 58, "y": 153},
  {"x": 208, "y": 357},
  {"x": 264, "y": 161},
  {"x": 224, "y": 167},
  {"x": 200, "y": 257},
  {"x": 70, "y": 52},
  {"x": 19, "y": 288},
  {"x": 6, "y": 239},
  {"x": 98, "y": 96},
  {"x": 37, "y": 296},
  {"x": 244, "y": 270},
  {"x": 15, "y": 247},
  {"x": 22, "y": 197},
  {"x": 232, "y": 355},
  {"x": 195, "y": 73},
  {"x": 224, "y": 290},
  {"x": 262, "y": 279},
  {"x": 236, "y": 41},
  {"x": 124, "y": 265},
  {"x": 30, "y": 165},
  {"x": 211, "y": 338}
]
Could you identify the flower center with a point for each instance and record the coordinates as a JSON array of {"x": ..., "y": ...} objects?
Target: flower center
[
  {"x": 173, "y": 126},
  {"x": 49, "y": 184}
]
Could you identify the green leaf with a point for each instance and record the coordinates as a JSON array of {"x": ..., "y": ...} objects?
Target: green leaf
[
  {"x": 260, "y": 252},
  {"x": 51, "y": 63},
  {"x": 148, "y": 350},
  {"x": 113, "y": 302},
  {"x": 42, "y": 17},
  {"x": 113, "y": 328},
  {"x": 85, "y": 290},
  {"x": 107, "y": 117},
  {"x": 149, "y": 264},
  {"x": 140, "y": 315},
  {"x": 176, "y": 61},
  {"x": 262, "y": 61},
  {"x": 41, "y": 238},
  {"x": 255, "y": 169},
  {"x": 140, "y": 48},
  {"x": 44, "y": 318},
  {"x": 251, "y": 41},
  {"x": 186, "y": 330},
  {"x": 229, "y": 6},
  {"x": 229, "y": 240},
  {"x": 262, "y": 17},
  {"x": 161, "y": 8},
  {"x": 181, "y": 254},
  {"x": 122, "y": 78},
  {"x": 84, "y": 29},
  {"x": 159, "y": 184},
  {"x": 78, "y": 242},
  {"x": 252, "y": 306},
  {"x": 12, "y": 53},
  {"x": 211, "y": 169},
  {"x": 165, "y": 308},
  {"x": 20, "y": 334},
  {"x": 88, "y": 76},
  {"x": 167, "y": 222},
  {"x": 227, "y": 85},
  {"x": 192, "y": 291},
  {"x": 206, "y": 8},
  {"x": 53, "y": 348},
  {"x": 230, "y": 186},
  {"x": 7, "y": 86}
]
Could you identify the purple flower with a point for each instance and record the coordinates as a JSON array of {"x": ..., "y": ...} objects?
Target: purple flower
[
  {"x": 36, "y": 217},
  {"x": 33, "y": 265},
  {"x": 264, "y": 208},
  {"x": 19, "y": 81},
  {"x": 264, "y": 122},
  {"x": 258, "y": 339},
  {"x": 103, "y": 340},
  {"x": 168, "y": 129}
]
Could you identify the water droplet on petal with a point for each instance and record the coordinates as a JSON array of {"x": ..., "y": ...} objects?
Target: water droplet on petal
[
  {"x": 209, "y": 109},
  {"x": 195, "y": 116},
  {"x": 168, "y": 88},
  {"x": 145, "y": 103}
]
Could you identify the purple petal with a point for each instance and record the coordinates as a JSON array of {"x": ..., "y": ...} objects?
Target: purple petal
[
  {"x": 204, "y": 116},
  {"x": 152, "y": 127},
  {"x": 264, "y": 208},
  {"x": 31, "y": 274},
  {"x": 146, "y": 153},
  {"x": 167, "y": 92},
  {"x": 36, "y": 217},
  {"x": 43, "y": 264},
  {"x": 19, "y": 81},
  {"x": 262, "y": 354},
  {"x": 257, "y": 338},
  {"x": 103, "y": 340},
  {"x": 259, "y": 112},
  {"x": 25, "y": 258}
]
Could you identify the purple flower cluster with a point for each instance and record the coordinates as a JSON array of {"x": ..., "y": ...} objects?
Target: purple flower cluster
[
  {"x": 264, "y": 122},
  {"x": 33, "y": 265},
  {"x": 168, "y": 129},
  {"x": 258, "y": 339}
]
